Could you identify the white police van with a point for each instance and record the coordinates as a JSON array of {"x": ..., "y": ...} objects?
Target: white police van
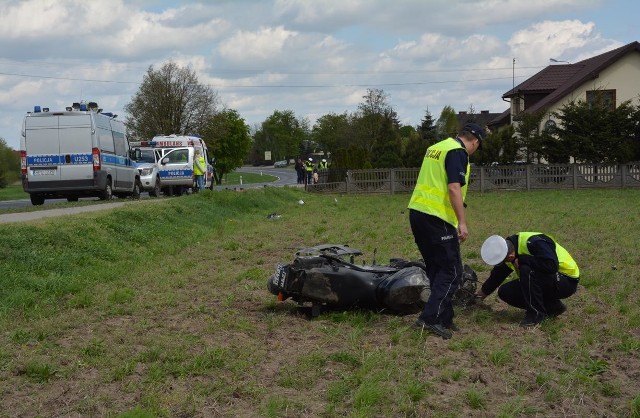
[
  {"x": 77, "y": 152},
  {"x": 175, "y": 156}
]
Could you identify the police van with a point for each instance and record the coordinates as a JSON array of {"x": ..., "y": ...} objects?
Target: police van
[
  {"x": 175, "y": 157},
  {"x": 77, "y": 152}
]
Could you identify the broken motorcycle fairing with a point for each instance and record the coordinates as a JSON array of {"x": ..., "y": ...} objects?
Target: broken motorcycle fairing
[{"x": 322, "y": 276}]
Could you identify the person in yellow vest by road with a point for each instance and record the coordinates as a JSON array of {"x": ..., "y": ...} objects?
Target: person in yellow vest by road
[
  {"x": 545, "y": 272},
  {"x": 308, "y": 168},
  {"x": 199, "y": 169},
  {"x": 323, "y": 164},
  {"x": 436, "y": 215}
]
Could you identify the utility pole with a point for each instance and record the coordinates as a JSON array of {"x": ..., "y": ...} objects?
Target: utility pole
[{"x": 513, "y": 76}]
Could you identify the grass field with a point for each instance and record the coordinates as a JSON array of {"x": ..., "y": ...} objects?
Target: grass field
[{"x": 162, "y": 310}]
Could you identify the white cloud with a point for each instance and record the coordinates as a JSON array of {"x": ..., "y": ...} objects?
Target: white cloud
[
  {"x": 550, "y": 39},
  {"x": 263, "y": 44}
]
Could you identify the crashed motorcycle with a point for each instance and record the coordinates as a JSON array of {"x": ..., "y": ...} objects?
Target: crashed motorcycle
[{"x": 326, "y": 277}]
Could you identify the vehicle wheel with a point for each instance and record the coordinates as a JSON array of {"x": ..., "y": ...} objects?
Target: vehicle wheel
[
  {"x": 72, "y": 198},
  {"x": 107, "y": 193},
  {"x": 155, "y": 192},
  {"x": 36, "y": 200},
  {"x": 136, "y": 190}
]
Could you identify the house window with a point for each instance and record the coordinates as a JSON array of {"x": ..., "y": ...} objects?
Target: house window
[
  {"x": 516, "y": 106},
  {"x": 603, "y": 99}
]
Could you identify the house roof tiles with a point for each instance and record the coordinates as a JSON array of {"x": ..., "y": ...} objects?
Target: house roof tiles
[{"x": 560, "y": 80}]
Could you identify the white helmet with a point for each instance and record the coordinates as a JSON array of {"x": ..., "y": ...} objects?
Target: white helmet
[
  {"x": 310, "y": 159},
  {"x": 494, "y": 250}
]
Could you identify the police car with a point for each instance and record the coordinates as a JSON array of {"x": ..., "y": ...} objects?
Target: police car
[
  {"x": 147, "y": 166},
  {"x": 174, "y": 156}
]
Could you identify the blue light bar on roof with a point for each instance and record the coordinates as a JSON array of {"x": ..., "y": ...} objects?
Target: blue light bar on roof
[
  {"x": 83, "y": 107},
  {"x": 36, "y": 109}
]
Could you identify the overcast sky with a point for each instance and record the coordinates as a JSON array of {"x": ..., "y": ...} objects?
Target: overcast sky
[{"x": 310, "y": 56}]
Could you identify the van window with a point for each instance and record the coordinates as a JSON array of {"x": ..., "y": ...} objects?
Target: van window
[
  {"x": 105, "y": 140},
  {"x": 120, "y": 143}
]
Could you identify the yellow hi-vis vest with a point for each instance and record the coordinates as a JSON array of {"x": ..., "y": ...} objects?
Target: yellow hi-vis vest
[
  {"x": 567, "y": 265},
  {"x": 431, "y": 194},
  {"x": 199, "y": 166}
]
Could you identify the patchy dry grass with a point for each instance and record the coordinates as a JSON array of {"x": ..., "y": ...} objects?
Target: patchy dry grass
[{"x": 165, "y": 313}]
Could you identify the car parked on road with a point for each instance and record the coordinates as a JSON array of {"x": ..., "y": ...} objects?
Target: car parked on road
[
  {"x": 147, "y": 166},
  {"x": 280, "y": 164}
]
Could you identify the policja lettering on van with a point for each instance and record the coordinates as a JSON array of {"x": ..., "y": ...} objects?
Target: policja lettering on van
[{"x": 43, "y": 159}]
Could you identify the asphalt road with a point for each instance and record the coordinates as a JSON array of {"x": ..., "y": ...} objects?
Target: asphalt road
[{"x": 286, "y": 177}]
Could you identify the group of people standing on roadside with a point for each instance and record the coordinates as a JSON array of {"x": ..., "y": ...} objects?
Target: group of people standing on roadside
[
  {"x": 546, "y": 272},
  {"x": 307, "y": 172}
]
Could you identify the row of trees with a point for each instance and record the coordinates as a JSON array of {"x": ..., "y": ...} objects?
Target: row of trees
[{"x": 372, "y": 137}]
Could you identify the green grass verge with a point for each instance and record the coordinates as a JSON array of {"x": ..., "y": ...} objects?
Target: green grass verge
[
  {"x": 161, "y": 309},
  {"x": 13, "y": 192}
]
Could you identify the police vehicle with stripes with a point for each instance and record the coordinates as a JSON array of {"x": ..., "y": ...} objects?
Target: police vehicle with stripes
[
  {"x": 76, "y": 152},
  {"x": 174, "y": 156}
]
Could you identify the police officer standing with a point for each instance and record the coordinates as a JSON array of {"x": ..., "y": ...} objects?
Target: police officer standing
[
  {"x": 199, "y": 169},
  {"x": 438, "y": 224},
  {"x": 546, "y": 273},
  {"x": 308, "y": 166}
]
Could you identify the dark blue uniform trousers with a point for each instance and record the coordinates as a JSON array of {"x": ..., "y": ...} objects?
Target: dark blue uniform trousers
[
  {"x": 537, "y": 293},
  {"x": 441, "y": 255}
]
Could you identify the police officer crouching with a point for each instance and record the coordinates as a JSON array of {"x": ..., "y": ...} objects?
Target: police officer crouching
[{"x": 546, "y": 273}]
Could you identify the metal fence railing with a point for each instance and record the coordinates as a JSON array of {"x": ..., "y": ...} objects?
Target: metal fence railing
[{"x": 485, "y": 179}]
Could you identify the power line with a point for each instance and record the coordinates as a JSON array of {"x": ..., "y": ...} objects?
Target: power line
[
  {"x": 416, "y": 83},
  {"x": 68, "y": 78}
]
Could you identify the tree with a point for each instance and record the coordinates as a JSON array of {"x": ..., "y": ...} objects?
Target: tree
[
  {"x": 170, "y": 101},
  {"x": 9, "y": 164},
  {"x": 416, "y": 143},
  {"x": 376, "y": 124},
  {"x": 597, "y": 134},
  {"x": 227, "y": 137},
  {"x": 282, "y": 133},
  {"x": 427, "y": 129},
  {"x": 447, "y": 125},
  {"x": 414, "y": 148},
  {"x": 499, "y": 146},
  {"x": 528, "y": 135},
  {"x": 386, "y": 151},
  {"x": 332, "y": 132}
]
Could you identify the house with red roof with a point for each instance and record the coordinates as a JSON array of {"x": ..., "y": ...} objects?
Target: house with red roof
[{"x": 612, "y": 77}]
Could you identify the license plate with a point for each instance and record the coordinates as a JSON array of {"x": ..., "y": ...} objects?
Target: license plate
[{"x": 43, "y": 172}]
